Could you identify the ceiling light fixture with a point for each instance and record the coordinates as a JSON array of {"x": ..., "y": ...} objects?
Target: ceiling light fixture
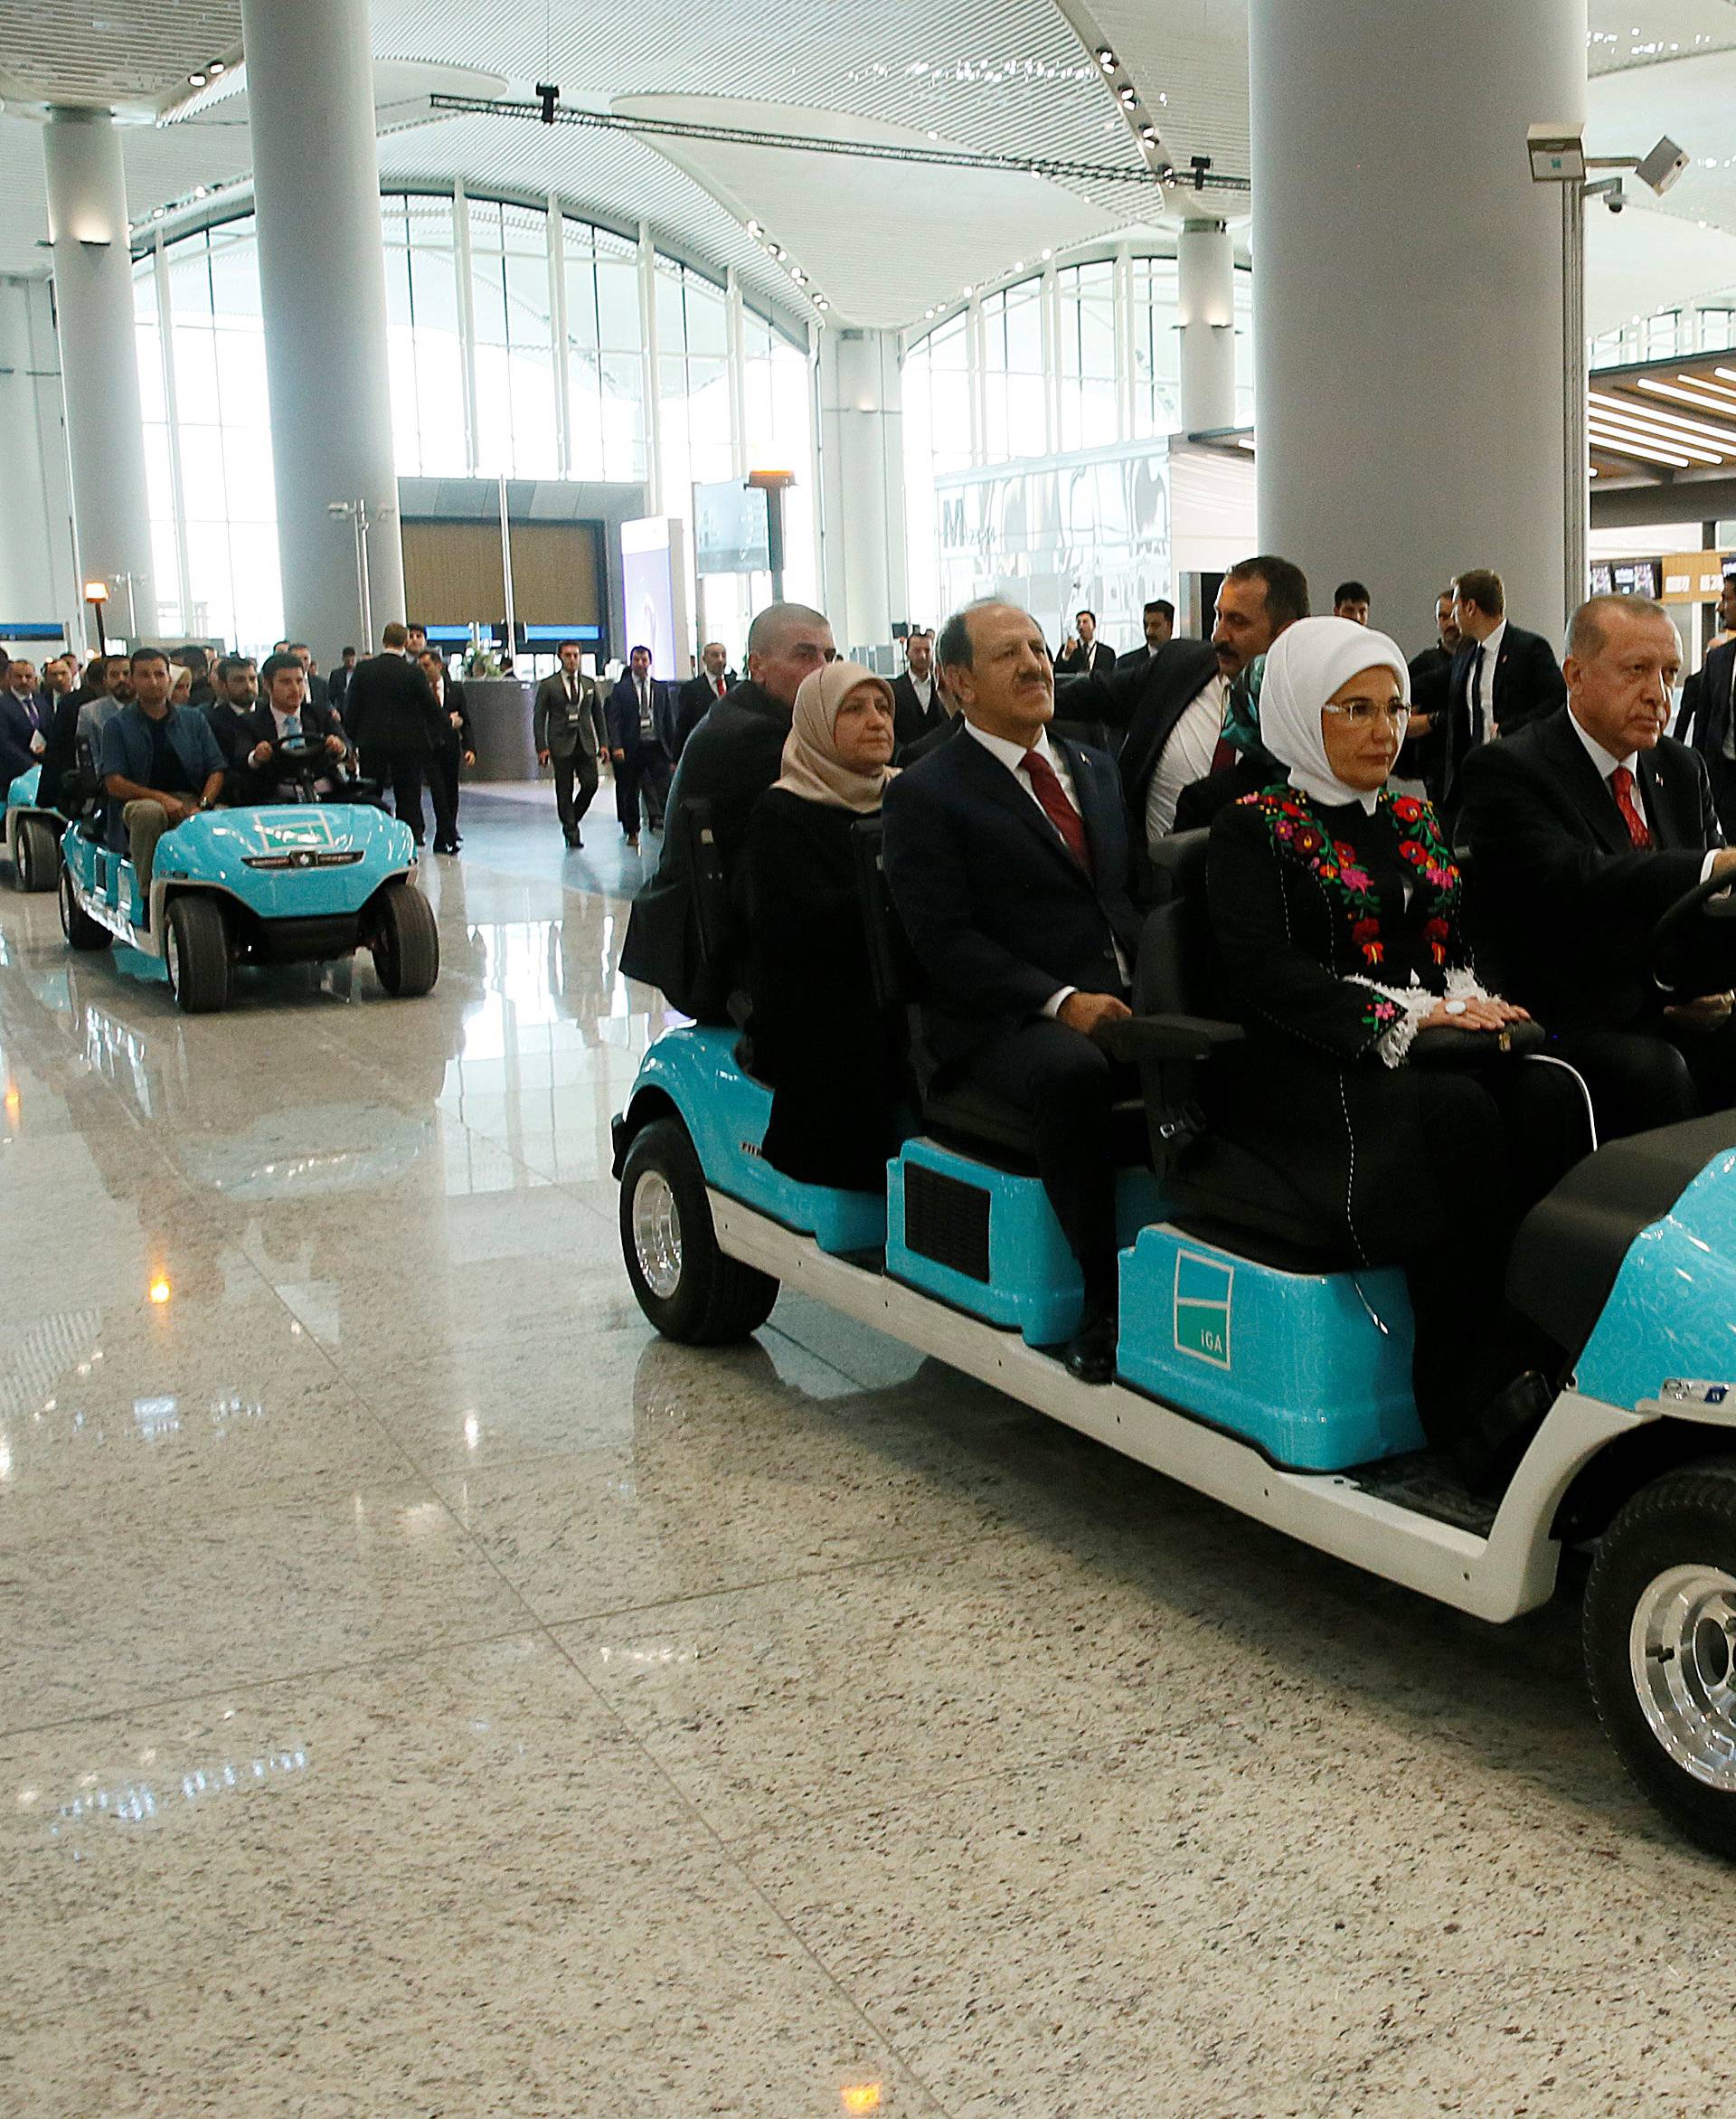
[
  {"x": 1704, "y": 404},
  {"x": 1672, "y": 422},
  {"x": 1106, "y": 58},
  {"x": 1616, "y": 446},
  {"x": 1649, "y": 430},
  {"x": 196, "y": 80},
  {"x": 216, "y": 67}
]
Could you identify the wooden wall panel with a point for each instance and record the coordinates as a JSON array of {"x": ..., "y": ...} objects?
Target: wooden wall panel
[
  {"x": 452, "y": 573},
  {"x": 557, "y": 573}
]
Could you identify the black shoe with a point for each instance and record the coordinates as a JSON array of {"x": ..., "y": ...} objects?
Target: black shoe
[
  {"x": 446, "y": 845},
  {"x": 1488, "y": 1454},
  {"x": 573, "y": 838},
  {"x": 1090, "y": 1352}
]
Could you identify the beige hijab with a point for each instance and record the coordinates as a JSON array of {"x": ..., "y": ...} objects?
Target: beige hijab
[{"x": 811, "y": 767}]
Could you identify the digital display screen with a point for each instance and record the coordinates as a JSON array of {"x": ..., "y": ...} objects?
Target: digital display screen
[
  {"x": 1639, "y": 577},
  {"x": 730, "y": 535}
]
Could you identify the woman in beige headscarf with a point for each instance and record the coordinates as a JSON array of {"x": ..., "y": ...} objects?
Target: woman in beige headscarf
[{"x": 818, "y": 1035}]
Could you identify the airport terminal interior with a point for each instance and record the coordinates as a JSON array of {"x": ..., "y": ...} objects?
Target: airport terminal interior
[{"x": 607, "y": 1507}]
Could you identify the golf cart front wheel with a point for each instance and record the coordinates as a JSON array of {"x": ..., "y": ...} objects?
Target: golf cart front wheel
[
  {"x": 689, "y": 1289},
  {"x": 1660, "y": 1646},
  {"x": 79, "y": 929},
  {"x": 407, "y": 945},
  {"x": 195, "y": 949},
  {"x": 36, "y": 857}
]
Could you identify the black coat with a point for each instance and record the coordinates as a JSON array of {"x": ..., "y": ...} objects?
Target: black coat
[
  {"x": 621, "y": 717},
  {"x": 1166, "y": 687},
  {"x": 693, "y": 701},
  {"x": 1705, "y": 724},
  {"x": 1423, "y": 757},
  {"x": 1309, "y": 1092},
  {"x": 1098, "y": 662},
  {"x": 1526, "y": 684},
  {"x": 999, "y": 912},
  {"x": 729, "y": 762},
  {"x": 1568, "y": 901},
  {"x": 455, "y": 741},
  {"x": 247, "y": 732},
  {"x": 818, "y": 1036},
  {"x": 912, "y": 721},
  {"x": 953, "y": 725},
  {"x": 390, "y": 707}
]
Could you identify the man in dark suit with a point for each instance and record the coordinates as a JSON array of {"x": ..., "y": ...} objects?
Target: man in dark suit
[
  {"x": 709, "y": 684},
  {"x": 231, "y": 713},
  {"x": 285, "y": 714},
  {"x": 1503, "y": 677},
  {"x": 1586, "y": 827},
  {"x": 395, "y": 724},
  {"x": 1007, "y": 857},
  {"x": 567, "y": 724},
  {"x": 455, "y": 748},
  {"x": 641, "y": 719},
  {"x": 23, "y": 725},
  {"x": 1083, "y": 654},
  {"x": 1188, "y": 715},
  {"x": 729, "y": 762},
  {"x": 338, "y": 683},
  {"x": 1160, "y": 620},
  {"x": 918, "y": 708},
  {"x": 1708, "y": 721},
  {"x": 1423, "y": 752}
]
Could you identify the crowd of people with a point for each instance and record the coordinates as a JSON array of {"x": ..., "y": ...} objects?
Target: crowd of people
[{"x": 1353, "y": 799}]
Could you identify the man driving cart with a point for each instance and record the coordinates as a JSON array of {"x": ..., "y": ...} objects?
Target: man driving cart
[{"x": 285, "y": 721}]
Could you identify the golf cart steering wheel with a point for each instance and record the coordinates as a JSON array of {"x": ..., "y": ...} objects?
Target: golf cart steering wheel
[
  {"x": 305, "y": 760},
  {"x": 1679, "y": 941}
]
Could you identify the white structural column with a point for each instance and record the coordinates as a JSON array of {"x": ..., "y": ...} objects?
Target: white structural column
[
  {"x": 1409, "y": 384},
  {"x": 1206, "y": 294},
  {"x": 93, "y": 292},
  {"x": 862, "y": 456},
  {"x": 322, "y": 293}
]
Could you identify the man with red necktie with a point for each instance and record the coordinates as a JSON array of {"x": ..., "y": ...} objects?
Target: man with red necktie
[
  {"x": 701, "y": 691},
  {"x": 1007, "y": 856},
  {"x": 1585, "y": 827}
]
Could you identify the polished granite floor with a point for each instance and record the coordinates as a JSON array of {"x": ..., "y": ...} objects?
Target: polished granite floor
[{"x": 423, "y": 1691}]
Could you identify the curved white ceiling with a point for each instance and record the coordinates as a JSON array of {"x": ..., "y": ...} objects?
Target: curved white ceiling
[{"x": 883, "y": 241}]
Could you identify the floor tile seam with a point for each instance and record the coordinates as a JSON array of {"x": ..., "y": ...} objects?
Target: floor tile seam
[
  {"x": 726, "y": 1854},
  {"x": 151, "y": 1703},
  {"x": 919, "y": 1552}
]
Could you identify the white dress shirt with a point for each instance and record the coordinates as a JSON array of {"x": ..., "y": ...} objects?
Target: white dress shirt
[
  {"x": 1606, "y": 765},
  {"x": 1012, "y": 756},
  {"x": 1184, "y": 758},
  {"x": 923, "y": 687},
  {"x": 1491, "y": 655}
]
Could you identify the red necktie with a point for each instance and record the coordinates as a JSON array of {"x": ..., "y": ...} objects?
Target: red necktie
[
  {"x": 1047, "y": 788},
  {"x": 1223, "y": 755},
  {"x": 1621, "y": 785},
  {"x": 718, "y": 681}
]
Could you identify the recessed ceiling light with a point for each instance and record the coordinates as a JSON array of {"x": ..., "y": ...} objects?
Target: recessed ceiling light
[
  {"x": 216, "y": 67},
  {"x": 755, "y": 228},
  {"x": 1106, "y": 58},
  {"x": 196, "y": 80},
  {"x": 1129, "y": 96}
]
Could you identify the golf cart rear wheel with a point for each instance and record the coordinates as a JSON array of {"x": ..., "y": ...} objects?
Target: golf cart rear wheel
[
  {"x": 37, "y": 856},
  {"x": 79, "y": 927},
  {"x": 407, "y": 948},
  {"x": 683, "y": 1283},
  {"x": 1660, "y": 1646},
  {"x": 196, "y": 950}
]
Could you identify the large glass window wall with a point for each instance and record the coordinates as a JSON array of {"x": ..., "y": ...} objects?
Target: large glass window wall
[
  {"x": 518, "y": 348},
  {"x": 1085, "y": 357}
]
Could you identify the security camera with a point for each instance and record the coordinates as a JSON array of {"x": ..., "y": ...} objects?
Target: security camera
[
  {"x": 1616, "y": 199},
  {"x": 1662, "y": 167}
]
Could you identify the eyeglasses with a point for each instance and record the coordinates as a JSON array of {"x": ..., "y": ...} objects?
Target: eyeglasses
[{"x": 1366, "y": 713}]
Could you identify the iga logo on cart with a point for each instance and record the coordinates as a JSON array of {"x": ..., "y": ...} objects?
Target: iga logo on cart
[{"x": 1204, "y": 1287}]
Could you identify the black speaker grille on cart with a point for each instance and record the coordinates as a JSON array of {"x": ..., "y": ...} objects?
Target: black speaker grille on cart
[{"x": 947, "y": 1220}]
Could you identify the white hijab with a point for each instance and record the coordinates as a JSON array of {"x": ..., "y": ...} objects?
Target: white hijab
[{"x": 1304, "y": 665}]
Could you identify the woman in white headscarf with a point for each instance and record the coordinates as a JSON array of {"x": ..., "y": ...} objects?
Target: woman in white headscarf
[
  {"x": 817, "y": 1034},
  {"x": 1336, "y": 907}
]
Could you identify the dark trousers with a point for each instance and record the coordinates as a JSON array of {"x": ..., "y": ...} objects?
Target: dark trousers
[
  {"x": 1068, "y": 1086},
  {"x": 1654, "y": 1076},
  {"x": 443, "y": 785},
  {"x": 402, "y": 772},
  {"x": 580, "y": 766},
  {"x": 1498, "y": 1142},
  {"x": 644, "y": 768}
]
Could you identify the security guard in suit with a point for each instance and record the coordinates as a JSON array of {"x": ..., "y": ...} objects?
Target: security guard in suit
[{"x": 568, "y": 726}]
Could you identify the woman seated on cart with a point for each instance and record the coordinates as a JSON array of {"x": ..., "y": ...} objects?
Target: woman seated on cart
[
  {"x": 1336, "y": 906},
  {"x": 819, "y": 1037}
]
